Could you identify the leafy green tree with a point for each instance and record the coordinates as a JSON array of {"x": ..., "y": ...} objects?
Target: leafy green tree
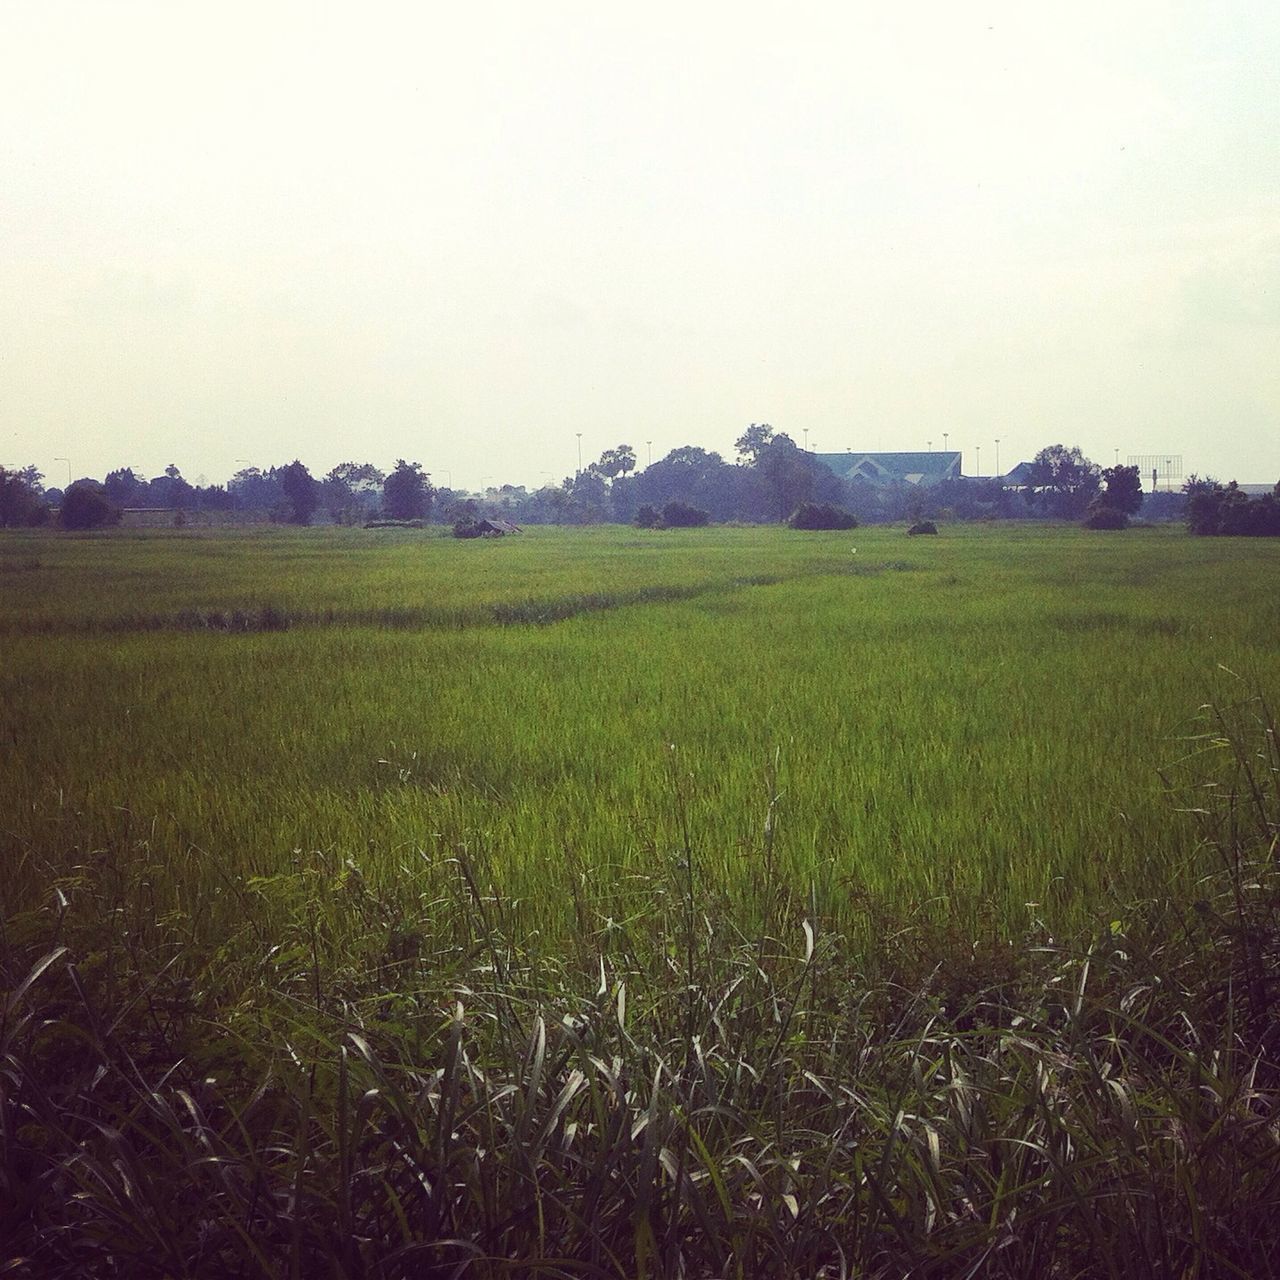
[
  {"x": 84, "y": 506},
  {"x": 1064, "y": 480},
  {"x": 170, "y": 490},
  {"x": 616, "y": 462},
  {"x": 20, "y": 502},
  {"x": 1122, "y": 490},
  {"x": 352, "y": 491},
  {"x": 753, "y": 442},
  {"x": 300, "y": 492},
  {"x": 407, "y": 492},
  {"x": 123, "y": 486}
]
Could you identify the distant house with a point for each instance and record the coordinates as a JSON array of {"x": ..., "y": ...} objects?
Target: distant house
[
  {"x": 894, "y": 468},
  {"x": 1019, "y": 477}
]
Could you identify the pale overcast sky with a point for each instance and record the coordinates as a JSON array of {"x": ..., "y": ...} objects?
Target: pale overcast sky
[{"x": 463, "y": 233}]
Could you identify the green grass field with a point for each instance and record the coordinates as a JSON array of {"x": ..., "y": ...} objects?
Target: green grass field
[
  {"x": 286, "y": 786},
  {"x": 975, "y": 720}
]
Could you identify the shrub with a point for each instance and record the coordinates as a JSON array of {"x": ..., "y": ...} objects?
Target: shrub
[
  {"x": 467, "y": 529},
  {"x": 923, "y": 526},
  {"x": 1102, "y": 517},
  {"x": 679, "y": 515},
  {"x": 648, "y": 517},
  {"x": 86, "y": 508},
  {"x": 821, "y": 515}
]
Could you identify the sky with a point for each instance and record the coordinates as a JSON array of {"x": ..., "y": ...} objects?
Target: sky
[{"x": 465, "y": 234}]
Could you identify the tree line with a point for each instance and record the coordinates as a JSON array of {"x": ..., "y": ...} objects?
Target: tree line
[{"x": 770, "y": 480}]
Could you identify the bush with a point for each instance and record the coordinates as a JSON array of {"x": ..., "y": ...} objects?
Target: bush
[
  {"x": 821, "y": 515},
  {"x": 1106, "y": 518},
  {"x": 86, "y": 508},
  {"x": 467, "y": 529},
  {"x": 679, "y": 515},
  {"x": 648, "y": 517},
  {"x": 923, "y": 526}
]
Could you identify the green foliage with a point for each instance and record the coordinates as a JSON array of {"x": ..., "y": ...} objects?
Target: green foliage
[
  {"x": 1122, "y": 491},
  {"x": 648, "y": 517},
  {"x": 407, "y": 492},
  {"x": 1064, "y": 480},
  {"x": 321, "y": 1071},
  {"x": 1215, "y": 509},
  {"x": 20, "y": 502},
  {"x": 923, "y": 527},
  {"x": 1102, "y": 516},
  {"x": 680, "y": 515},
  {"x": 821, "y": 515},
  {"x": 300, "y": 491},
  {"x": 84, "y": 507}
]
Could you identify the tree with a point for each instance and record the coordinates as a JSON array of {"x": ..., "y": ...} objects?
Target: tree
[
  {"x": 84, "y": 507},
  {"x": 300, "y": 492},
  {"x": 1123, "y": 491},
  {"x": 170, "y": 490},
  {"x": 1065, "y": 478},
  {"x": 20, "y": 503},
  {"x": 256, "y": 490},
  {"x": 123, "y": 486},
  {"x": 616, "y": 462},
  {"x": 407, "y": 492},
  {"x": 352, "y": 490},
  {"x": 753, "y": 442}
]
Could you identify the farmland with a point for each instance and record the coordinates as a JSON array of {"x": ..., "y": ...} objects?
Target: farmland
[{"x": 280, "y": 788}]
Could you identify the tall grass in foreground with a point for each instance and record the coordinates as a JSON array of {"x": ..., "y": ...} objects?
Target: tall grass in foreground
[{"x": 665, "y": 1099}]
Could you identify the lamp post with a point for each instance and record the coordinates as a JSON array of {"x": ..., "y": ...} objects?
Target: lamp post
[
  {"x": 930, "y": 444},
  {"x": 649, "y": 443},
  {"x": 997, "y": 456},
  {"x": 977, "y": 466},
  {"x": 579, "y": 435},
  {"x": 68, "y": 462},
  {"x": 944, "y": 440},
  {"x": 806, "y": 439}
]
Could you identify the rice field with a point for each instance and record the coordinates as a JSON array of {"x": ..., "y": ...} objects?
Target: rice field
[
  {"x": 976, "y": 721},
  {"x": 287, "y": 811}
]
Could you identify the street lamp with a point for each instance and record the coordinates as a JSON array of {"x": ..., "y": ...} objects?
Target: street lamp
[
  {"x": 944, "y": 440},
  {"x": 579, "y": 435},
  {"x": 649, "y": 443},
  {"x": 977, "y": 466},
  {"x": 997, "y": 455},
  {"x": 806, "y": 439}
]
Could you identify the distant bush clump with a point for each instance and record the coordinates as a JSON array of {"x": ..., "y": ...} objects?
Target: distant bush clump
[
  {"x": 648, "y": 517},
  {"x": 821, "y": 515},
  {"x": 393, "y": 524},
  {"x": 922, "y": 526},
  {"x": 1106, "y": 518},
  {"x": 467, "y": 528},
  {"x": 679, "y": 515},
  {"x": 85, "y": 508},
  {"x": 1228, "y": 511}
]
